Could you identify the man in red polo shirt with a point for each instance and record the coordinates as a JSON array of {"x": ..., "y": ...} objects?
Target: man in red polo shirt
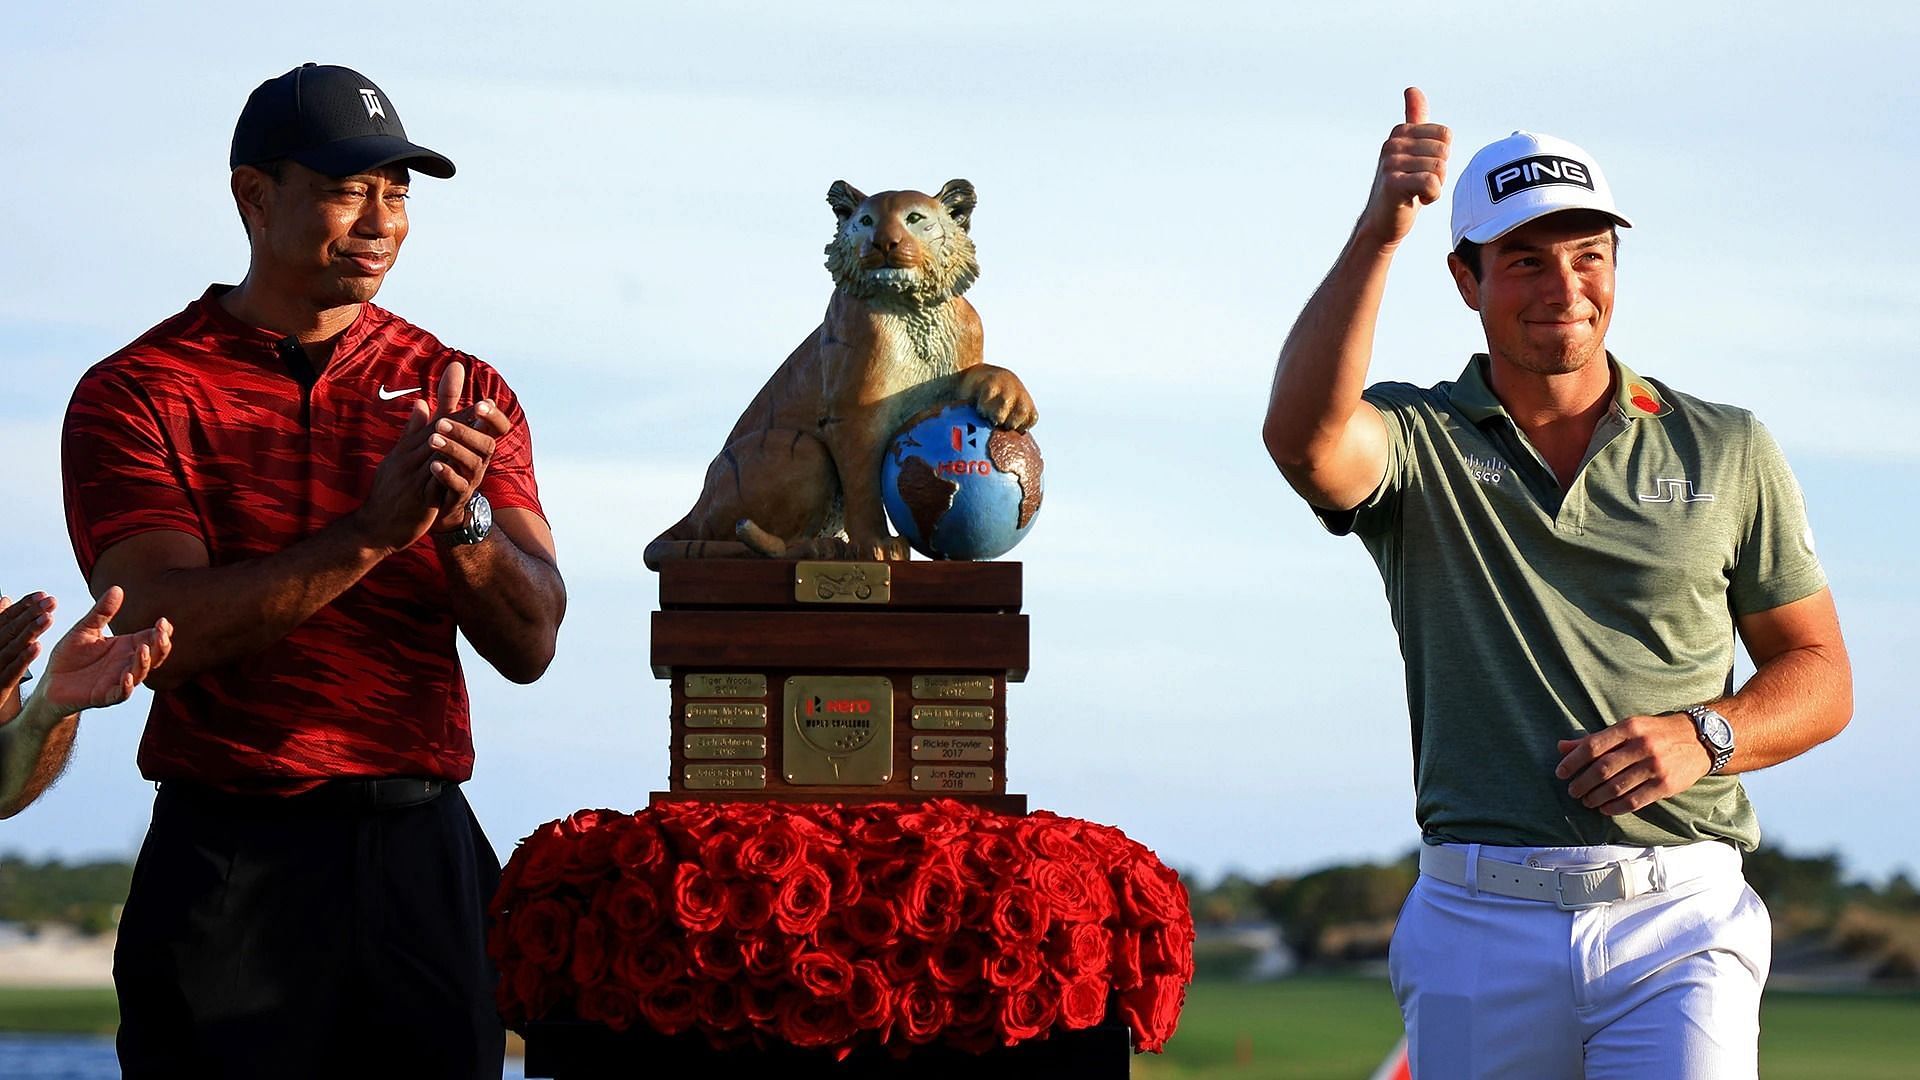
[{"x": 318, "y": 495}]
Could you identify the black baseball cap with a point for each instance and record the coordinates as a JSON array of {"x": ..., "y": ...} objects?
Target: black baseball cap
[{"x": 333, "y": 120}]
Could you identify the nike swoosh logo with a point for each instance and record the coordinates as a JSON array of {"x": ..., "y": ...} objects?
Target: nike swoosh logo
[{"x": 389, "y": 395}]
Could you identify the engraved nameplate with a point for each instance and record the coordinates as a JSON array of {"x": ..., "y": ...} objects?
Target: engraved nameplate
[
  {"x": 952, "y": 748},
  {"x": 837, "y": 729},
  {"x": 952, "y": 778},
  {"x": 842, "y": 582},
  {"x": 724, "y": 777},
  {"x": 726, "y": 686},
  {"x": 713, "y": 747},
  {"x": 953, "y": 717},
  {"x": 953, "y": 687},
  {"x": 711, "y": 714}
]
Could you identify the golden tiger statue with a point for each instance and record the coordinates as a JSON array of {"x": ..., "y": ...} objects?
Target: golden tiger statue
[{"x": 800, "y": 474}]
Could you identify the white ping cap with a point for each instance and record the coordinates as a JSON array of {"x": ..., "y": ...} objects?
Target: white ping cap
[{"x": 1522, "y": 177}]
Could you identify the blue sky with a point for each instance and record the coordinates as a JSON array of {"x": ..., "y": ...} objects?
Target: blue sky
[{"x": 634, "y": 240}]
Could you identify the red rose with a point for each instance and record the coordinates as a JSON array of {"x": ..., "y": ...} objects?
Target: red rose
[
  {"x": 843, "y": 869},
  {"x": 1019, "y": 915},
  {"x": 630, "y": 906},
  {"x": 648, "y": 962},
  {"x": 930, "y": 909},
  {"x": 823, "y": 974},
  {"x": 766, "y": 957},
  {"x": 719, "y": 1005},
  {"x": 715, "y": 956},
  {"x": 958, "y": 963},
  {"x": 669, "y": 1008},
  {"x": 749, "y": 905},
  {"x": 1049, "y": 840},
  {"x": 720, "y": 854},
  {"x": 609, "y": 1004},
  {"x": 589, "y": 964},
  {"x": 1063, "y": 885},
  {"x": 639, "y": 849},
  {"x": 593, "y": 849},
  {"x": 699, "y": 900},
  {"x": 1150, "y": 893},
  {"x": 762, "y": 1002},
  {"x": 1126, "y": 960},
  {"x": 1153, "y": 1011},
  {"x": 748, "y": 817},
  {"x": 543, "y": 857},
  {"x": 536, "y": 991},
  {"x": 582, "y": 821},
  {"x": 802, "y": 901},
  {"x": 871, "y": 922},
  {"x": 934, "y": 826},
  {"x": 812, "y": 1022},
  {"x": 996, "y": 856},
  {"x": 1017, "y": 968},
  {"x": 906, "y": 961},
  {"x": 870, "y": 998},
  {"x": 975, "y": 1028},
  {"x": 1082, "y": 950},
  {"x": 922, "y": 1011},
  {"x": 773, "y": 851},
  {"x": 1083, "y": 1002},
  {"x": 685, "y": 824},
  {"x": 1160, "y": 955},
  {"x": 542, "y": 931},
  {"x": 1025, "y": 1014},
  {"x": 889, "y": 877},
  {"x": 875, "y": 833}
]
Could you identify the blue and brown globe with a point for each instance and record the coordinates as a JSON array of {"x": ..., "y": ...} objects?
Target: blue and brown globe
[{"x": 957, "y": 487}]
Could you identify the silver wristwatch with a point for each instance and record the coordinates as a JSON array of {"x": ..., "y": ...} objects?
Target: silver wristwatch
[
  {"x": 479, "y": 521},
  {"x": 1715, "y": 734}
]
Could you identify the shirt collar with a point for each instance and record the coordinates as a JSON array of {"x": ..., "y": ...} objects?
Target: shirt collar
[
  {"x": 217, "y": 315},
  {"x": 1633, "y": 396}
]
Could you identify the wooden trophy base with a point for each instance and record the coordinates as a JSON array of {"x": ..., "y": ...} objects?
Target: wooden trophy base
[{"x": 841, "y": 682}]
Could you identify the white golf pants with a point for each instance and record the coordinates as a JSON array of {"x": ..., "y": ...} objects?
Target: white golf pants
[{"x": 1661, "y": 986}]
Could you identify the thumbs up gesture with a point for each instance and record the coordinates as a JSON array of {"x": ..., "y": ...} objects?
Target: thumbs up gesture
[{"x": 1413, "y": 167}]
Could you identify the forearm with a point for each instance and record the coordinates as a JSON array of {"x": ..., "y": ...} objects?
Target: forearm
[
  {"x": 1794, "y": 702},
  {"x": 9, "y": 706},
  {"x": 225, "y": 613},
  {"x": 34, "y": 749},
  {"x": 1323, "y": 365},
  {"x": 508, "y": 603}
]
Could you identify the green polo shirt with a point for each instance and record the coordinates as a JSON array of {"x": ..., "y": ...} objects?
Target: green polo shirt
[{"x": 1527, "y": 614}]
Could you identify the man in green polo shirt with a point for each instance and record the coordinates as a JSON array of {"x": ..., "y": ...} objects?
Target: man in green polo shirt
[{"x": 1569, "y": 549}]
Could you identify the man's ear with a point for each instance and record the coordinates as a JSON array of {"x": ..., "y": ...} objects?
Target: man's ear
[
  {"x": 251, "y": 188},
  {"x": 1464, "y": 280}
]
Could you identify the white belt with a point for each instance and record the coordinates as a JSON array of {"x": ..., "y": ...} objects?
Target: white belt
[{"x": 1573, "y": 887}]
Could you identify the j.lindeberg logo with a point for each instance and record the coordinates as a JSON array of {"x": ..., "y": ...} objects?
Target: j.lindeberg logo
[
  {"x": 371, "y": 98},
  {"x": 1536, "y": 171},
  {"x": 1487, "y": 470},
  {"x": 1669, "y": 489}
]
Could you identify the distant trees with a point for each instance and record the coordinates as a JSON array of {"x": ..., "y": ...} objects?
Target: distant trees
[{"x": 86, "y": 896}]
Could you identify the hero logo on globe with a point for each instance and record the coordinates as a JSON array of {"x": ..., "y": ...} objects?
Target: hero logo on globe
[{"x": 1536, "y": 171}]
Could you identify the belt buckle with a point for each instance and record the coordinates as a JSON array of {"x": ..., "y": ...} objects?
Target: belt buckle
[{"x": 1560, "y": 886}]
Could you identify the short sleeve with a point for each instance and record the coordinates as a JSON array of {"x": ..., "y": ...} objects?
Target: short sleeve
[
  {"x": 1376, "y": 510},
  {"x": 118, "y": 471},
  {"x": 1774, "y": 562},
  {"x": 509, "y": 482}
]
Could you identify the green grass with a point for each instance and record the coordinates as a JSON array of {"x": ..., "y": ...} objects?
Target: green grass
[
  {"x": 1321, "y": 1026},
  {"x": 89, "y": 1011}
]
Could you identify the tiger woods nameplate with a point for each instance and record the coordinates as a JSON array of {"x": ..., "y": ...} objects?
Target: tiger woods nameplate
[
  {"x": 952, "y": 778},
  {"x": 952, "y": 748},
  {"x": 724, "y": 777},
  {"x": 711, "y": 714},
  {"x": 842, "y": 583},
  {"x": 953, "y": 687},
  {"x": 726, "y": 686},
  {"x": 838, "y": 730},
  {"x": 710, "y": 747},
  {"x": 953, "y": 717}
]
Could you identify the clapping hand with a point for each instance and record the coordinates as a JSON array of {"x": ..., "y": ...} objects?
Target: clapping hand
[
  {"x": 463, "y": 442},
  {"x": 21, "y": 624},
  {"x": 91, "y": 669}
]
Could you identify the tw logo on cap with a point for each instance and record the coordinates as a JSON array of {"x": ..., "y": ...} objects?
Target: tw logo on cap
[
  {"x": 1536, "y": 171},
  {"x": 371, "y": 98}
]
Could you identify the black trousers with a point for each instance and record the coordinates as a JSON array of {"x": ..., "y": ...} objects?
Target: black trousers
[{"x": 273, "y": 938}]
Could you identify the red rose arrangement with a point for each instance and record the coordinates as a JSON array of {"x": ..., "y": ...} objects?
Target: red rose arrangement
[{"x": 841, "y": 926}]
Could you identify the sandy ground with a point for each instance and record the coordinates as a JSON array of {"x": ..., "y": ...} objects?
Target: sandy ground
[{"x": 56, "y": 956}]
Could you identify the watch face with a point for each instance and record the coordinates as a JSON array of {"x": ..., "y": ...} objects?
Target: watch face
[{"x": 1717, "y": 730}]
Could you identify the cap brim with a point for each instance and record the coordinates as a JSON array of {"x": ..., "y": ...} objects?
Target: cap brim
[
  {"x": 369, "y": 152},
  {"x": 1488, "y": 231}
]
